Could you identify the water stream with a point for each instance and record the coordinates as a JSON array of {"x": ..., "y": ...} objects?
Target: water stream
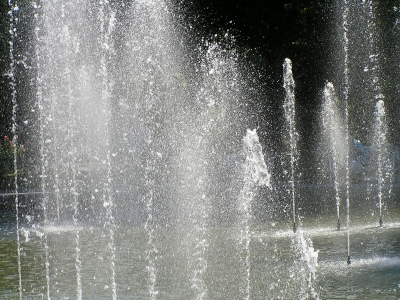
[
  {"x": 290, "y": 116},
  {"x": 13, "y": 32},
  {"x": 334, "y": 132},
  {"x": 345, "y": 24}
]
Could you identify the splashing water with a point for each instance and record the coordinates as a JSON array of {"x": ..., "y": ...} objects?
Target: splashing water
[
  {"x": 255, "y": 175},
  {"x": 107, "y": 26},
  {"x": 306, "y": 265},
  {"x": 255, "y": 167}
]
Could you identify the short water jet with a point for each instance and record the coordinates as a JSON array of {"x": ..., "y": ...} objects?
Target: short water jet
[
  {"x": 255, "y": 175},
  {"x": 380, "y": 145}
]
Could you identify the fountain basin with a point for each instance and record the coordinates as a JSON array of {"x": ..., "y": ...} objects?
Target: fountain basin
[{"x": 276, "y": 270}]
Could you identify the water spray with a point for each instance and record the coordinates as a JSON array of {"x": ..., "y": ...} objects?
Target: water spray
[
  {"x": 13, "y": 83},
  {"x": 346, "y": 102},
  {"x": 333, "y": 127},
  {"x": 380, "y": 138},
  {"x": 290, "y": 114}
]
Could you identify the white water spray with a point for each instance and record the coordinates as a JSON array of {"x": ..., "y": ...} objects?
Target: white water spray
[
  {"x": 334, "y": 132},
  {"x": 383, "y": 167},
  {"x": 255, "y": 175},
  {"x": 72, "y": 158},
  {"x": 107, "y": 20},
  {"x": 290, "y": 116},
  {"x": 151, "y": 252},
  {"x": 345, "y": 26},
  {"x": 306, "y": 263},
  {"x": 43, "y": 158}
]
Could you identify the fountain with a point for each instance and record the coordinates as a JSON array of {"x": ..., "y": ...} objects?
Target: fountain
[{"x": 150, "y": 169}]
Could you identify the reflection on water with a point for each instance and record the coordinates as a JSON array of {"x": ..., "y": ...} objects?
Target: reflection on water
[{"x": 276, "y": 269}]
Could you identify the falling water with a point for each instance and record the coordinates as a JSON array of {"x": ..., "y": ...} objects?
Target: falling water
[
  {"x": 194, "y": 158},
  {"x": 148, "y": 116},
  {"x": 198, "y": 209},
  {"x": 13, "y": 32},
  {"x": 107, "y": 20},
  {"x": 255, "y": 175},
  {"x": 346, "y": 120},
  {"x": 204, "y": 136},
  {"x": 333, "y": 127},
  {"x": 72, "y": 185},
  {"x": 72, "y": 188},
  {"x": 290, "y": 115},
  {"x": 43, "y": 158}
]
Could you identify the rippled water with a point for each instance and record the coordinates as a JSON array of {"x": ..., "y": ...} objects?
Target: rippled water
[{"x": 276, "y": 270}]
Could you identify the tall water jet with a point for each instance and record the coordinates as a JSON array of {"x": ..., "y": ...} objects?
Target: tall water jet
[
  {"x": 305, "y": 258},
  {"x": 290, "y": 117},
  {"x": 334, "y": 133},
  {"x": 346, "y": 88},
  {"x": 13, "y": 85},
  {"x": 107, "y": 24},
  {"x": 63, "y": 133},
  {"x": 152, "y": 109},
  {"x": 71, "y": 157},
  {"x": 255, "y": 175},
  {"x": 203, "y": 145},
  {"x": 43, "y": 158},
  {"x": 382, "y": 165}
]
